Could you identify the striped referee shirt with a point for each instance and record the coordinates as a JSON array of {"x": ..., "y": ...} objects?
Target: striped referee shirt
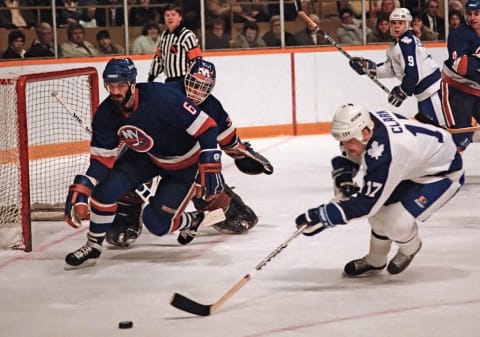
[{"x": 174, "y": 53}]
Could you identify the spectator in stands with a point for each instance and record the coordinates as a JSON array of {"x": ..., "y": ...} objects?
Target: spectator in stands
[
  {"x": 16, "y": 44},
  {"x": 350, "y": 29},
  {"x": 222, "y": 9},
  {"x": 43, "y": 45},
  {"x": 249, "y": 37},
  {"x": 109, "y": 16},
  {"x": 216, "y": 38},
  {"x": 147, "y": 42},
  {"x": 420, "y": 30},
  {"x": 105, "y": 44},
  {"x": 309, "y": 36},
  {"x": 69, "y": 12},
  {"x": 432, "y": 20},
  {"x": 16, "y": 17},
  {"x": 76, "y": 46},
  {"x": 455, "y": 5},
  {"x": 143, "y": 12},
  {"x": 289, "y": 11},
  {"x": 272, "y": 37},
  {"x": 384, "y": 8},
  {"x": 454, "y": 18},
  {"x": 381, "y": 32}
]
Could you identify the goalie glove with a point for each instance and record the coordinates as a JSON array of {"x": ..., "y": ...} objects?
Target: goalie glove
[
  {"x": 76, "y": 205},
  {"x": 363, "y": 66},
  {"x": 396, "y": 96},
  {"x": 316, "y": 220},
  {"x": 246, "y": 159},
  {"x": 209, "y": 175}
]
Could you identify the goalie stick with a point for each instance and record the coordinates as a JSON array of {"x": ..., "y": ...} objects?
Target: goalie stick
[
  {"x": 184, "y": 303},
  {"x": 327, "y": 37}
]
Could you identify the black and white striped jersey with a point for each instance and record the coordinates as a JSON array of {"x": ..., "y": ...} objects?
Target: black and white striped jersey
[{"x": 174, "y": 53}]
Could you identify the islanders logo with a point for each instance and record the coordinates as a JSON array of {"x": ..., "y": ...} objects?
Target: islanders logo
[{"x": 135, "y": 138}]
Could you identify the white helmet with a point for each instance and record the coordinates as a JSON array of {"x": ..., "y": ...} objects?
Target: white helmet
[
  {"x": 401, "y": 14},
  {"x": 349, "y": 121}
]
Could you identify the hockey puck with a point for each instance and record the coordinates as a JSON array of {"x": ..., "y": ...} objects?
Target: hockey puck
[{"x": 125, "y": 325}]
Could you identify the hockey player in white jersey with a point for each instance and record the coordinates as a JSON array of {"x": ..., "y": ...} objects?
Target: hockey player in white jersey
[
  {"x": 410, "y": 170},
  {"x": 409, "y": 61}
]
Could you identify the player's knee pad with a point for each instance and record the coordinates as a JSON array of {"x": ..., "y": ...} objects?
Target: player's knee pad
[
  {"x": 393, "y": 221},
  {"x": 157, "y": 221}
]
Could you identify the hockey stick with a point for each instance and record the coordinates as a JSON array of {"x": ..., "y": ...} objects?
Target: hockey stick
[
  {"x": 464, "y": 130},
  {"x": 330, "y": 40},
  {"x": 184, "y": 303},
  {"x": 70, "y": 111}
]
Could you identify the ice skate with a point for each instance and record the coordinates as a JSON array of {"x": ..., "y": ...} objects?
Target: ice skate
[
  {"x": 401, "y": 261},
  {"x": 187, "y": 235},
  {"x": 359, "y": 267},
  {"x": 83, "y": 257}
]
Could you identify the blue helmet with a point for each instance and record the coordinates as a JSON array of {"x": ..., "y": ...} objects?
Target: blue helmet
[
  {"x": 120, "y": 70},
  {"x": 200, "y": 80},
  {"x": 472, "y": 5}
]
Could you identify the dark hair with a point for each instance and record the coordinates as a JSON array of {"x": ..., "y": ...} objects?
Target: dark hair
[
  {"x": 15, "y": 34},
  {"x": 73, "y": 27},
  {"x": 148, "y": 25},
  {"x": 455, "y": 12},
  {"x": 250, "y": 25},
  {"x": 173, "y": 6},
  {"x": 382, "y": 17},
  {"x": 345, "y": 10},
  {"x": 103, "y": 34}
]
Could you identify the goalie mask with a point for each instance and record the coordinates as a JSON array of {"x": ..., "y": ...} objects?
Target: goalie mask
[
  {"x": 200, "y": 80},
  {"x": 349, "y": 121},
  {"x": 401, "y": 14}
]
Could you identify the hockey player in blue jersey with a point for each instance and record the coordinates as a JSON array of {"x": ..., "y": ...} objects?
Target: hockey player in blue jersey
[
  {"x": 197, "y": 86},
  {"x": 461, "y": 78},
  {"x": 409, "y": 61},
  {"x": 410, "y": 170},
  {"x": 141, "y": 131}
]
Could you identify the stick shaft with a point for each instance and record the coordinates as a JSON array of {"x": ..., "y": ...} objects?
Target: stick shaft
[
  {"x": 464, "y": 130},
  {"x": 259, "y": 266},
  {"x": 327, "y": 37},
  {"x": 72, "y": 113}
]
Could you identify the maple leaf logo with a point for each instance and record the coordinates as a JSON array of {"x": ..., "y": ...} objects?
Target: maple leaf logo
[
  {"x": 406, "y": 40},
  {"x": 376, "y": 150}
]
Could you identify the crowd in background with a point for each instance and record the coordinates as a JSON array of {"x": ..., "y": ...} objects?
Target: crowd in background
[{"x": 227, "y": 24}]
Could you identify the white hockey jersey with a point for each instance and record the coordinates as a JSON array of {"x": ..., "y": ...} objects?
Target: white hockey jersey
[
  {"x": 399, "y": 150},
  {"x": 409, "y": 61}
]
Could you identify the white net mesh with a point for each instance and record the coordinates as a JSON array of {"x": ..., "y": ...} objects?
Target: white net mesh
[{"x": 58, "y": 146}]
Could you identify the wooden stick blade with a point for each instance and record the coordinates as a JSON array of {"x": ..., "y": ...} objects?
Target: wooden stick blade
[{"x": 184, "y": 303}]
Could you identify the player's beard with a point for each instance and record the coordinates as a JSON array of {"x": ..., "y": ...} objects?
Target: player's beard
[{"x": 121, "y": 100}]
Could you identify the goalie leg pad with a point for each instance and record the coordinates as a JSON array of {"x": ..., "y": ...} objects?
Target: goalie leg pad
[{"x": 239, "y": 217}]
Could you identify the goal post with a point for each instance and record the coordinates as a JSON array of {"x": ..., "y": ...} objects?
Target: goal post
[{"x": 42, "y": 147}]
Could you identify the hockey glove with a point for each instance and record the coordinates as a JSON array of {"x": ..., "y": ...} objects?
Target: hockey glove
[
  {"x": 344, "y": 185},
  {"x": 210, "y": 173},
  {"x": 316, "y": 219},
  {"x": 396, "y": 96},
  {"x": 246, "y": 159},
  {"x": 76, "y": 205},
  {"x": 363, "y": 66}
]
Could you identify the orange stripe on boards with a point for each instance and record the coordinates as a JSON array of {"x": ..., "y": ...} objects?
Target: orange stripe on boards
[
  {"x": 283, "y": 130},
  {"x": 37, "y": 152}
]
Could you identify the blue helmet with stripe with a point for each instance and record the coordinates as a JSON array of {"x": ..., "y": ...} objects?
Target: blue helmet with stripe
[
  {"x": 472, "y": 5},
  {"x": 120, "y": 70},
  {"x": 200, "y": 80}
]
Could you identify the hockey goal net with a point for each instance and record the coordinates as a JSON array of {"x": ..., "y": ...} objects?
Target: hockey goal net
[{"x": 45, "y": 142}]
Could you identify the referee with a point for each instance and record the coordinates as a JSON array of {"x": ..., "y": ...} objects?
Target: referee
[{"x": 177, "y": 48}]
